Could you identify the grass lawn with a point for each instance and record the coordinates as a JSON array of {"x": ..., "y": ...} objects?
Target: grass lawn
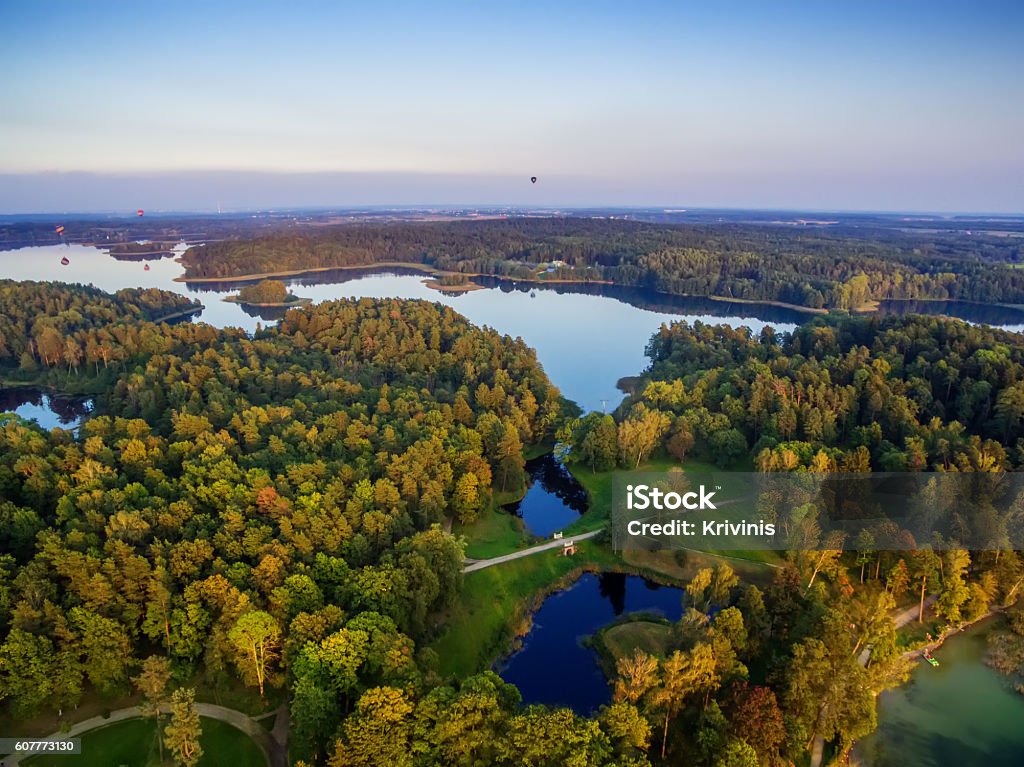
[
  {"x": 750, "y": 566},
  {"x": 495, "y": 532},
  {"x": 132, "y": 743},
  {"x": 599, "y": 488},
  {"x": 649, "y": 636}
]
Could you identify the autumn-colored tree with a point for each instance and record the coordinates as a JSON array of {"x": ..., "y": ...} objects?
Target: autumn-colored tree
[
  {"x": 256, "y": 638},
  {"x": 184, "y": 730},
  {"x": 152, "y": 682}
]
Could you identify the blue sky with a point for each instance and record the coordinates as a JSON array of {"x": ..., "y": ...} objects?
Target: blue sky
[{"x": 748, "y": 103}]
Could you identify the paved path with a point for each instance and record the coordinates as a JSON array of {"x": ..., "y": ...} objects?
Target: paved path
[
  {"x": 275, "y": 752},
  {"x": 480, "y": 564}
]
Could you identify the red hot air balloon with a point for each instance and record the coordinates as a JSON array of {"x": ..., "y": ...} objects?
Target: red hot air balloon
[
  {"x": 139, "y": 212},
  {"x": 146, "y": 268}
]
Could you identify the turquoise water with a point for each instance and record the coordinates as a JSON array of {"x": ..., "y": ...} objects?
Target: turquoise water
[{"x": 961, "y": 714}]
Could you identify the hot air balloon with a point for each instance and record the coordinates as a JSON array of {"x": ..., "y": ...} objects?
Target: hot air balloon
[
  {"x": 139, "y": 212},
  {"x": 60, "y": 229},
  {"x": 65, "y": 261},
  {"x": 533, "y": 179},
  {"x": 146, "y": 267}
]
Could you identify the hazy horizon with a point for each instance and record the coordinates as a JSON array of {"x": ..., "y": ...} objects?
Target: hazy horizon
[{"x": 907, "y": 107}]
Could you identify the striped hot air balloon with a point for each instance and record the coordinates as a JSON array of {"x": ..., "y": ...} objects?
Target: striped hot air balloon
[{"x": 60, "y": 230}]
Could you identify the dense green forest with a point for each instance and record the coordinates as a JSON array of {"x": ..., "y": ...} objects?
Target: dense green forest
[
  {"x": 809, "y": 268},
  {"x": 906, "y": 393},
  {"x": 299, "y": 481},
  {"x": 275, "y": 509}
]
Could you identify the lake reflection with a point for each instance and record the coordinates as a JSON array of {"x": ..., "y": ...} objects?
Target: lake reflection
[
  {"x": 961, "y": 714},
  {"x": 46, "y": 410},
  {"x": 586, "y": 340},
  {"x": 553, "y": 667},
  {"x": 553, "y": 500}
]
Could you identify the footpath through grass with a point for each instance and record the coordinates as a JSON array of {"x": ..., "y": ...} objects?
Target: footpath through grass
[{"x": 133, "y": 743}]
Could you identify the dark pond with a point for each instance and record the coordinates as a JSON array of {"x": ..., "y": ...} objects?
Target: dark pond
[
  {"x": 553, "y": 667},
  {"x": 48, "y": 410},
  {"x": 553, "y": 499}
]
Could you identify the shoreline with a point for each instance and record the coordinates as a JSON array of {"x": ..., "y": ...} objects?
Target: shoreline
[
  {"x": 197, "y": 307},
  {"x": 273, "y": 305},
  {"x": 465, "y": 287},
  {"x": 434, "y": 272},
  {"x": 871, "y": 307},
  {"x": 313, "y": 270}
]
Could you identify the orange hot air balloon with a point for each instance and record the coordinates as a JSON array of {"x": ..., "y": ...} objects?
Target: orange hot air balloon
[
  {"x": 139, "y": 212},
  {"x": 60, "y": 230}
]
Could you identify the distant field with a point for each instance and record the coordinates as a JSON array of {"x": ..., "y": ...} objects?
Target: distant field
[
  {"x": 132, "y": 743},
  {"x": 651, "y": 637}
]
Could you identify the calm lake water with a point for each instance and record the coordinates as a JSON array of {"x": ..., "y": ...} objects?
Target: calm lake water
[
  {"x": 961, "y": 714},
  {"x": 553, "y": 667},
  {"x": 586, "y": 337},
  {"x": 553, "y": 500},
  {"x": 47, "y": 410}
]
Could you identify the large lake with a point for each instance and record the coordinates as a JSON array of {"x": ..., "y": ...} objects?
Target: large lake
[{"x": 587, "y": 337}]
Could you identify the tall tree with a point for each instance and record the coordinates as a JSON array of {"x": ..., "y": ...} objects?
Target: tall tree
[
  {"x": 185, "y": 729},
  {"x": 256, "y": 638},
  {"x": 152, "y": 683}
]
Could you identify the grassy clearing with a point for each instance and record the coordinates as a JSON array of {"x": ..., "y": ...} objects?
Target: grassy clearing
[
  {"x": 599, "y": 489},
  {"x": 650, "y": 636},
  {"x": 495, "y": 532},
  {"x": 682, "y": 565},
  {"x": 132, "y": 743}
]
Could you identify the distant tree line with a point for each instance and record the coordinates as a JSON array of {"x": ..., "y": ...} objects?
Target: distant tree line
[{"x": 810, "y": 269}]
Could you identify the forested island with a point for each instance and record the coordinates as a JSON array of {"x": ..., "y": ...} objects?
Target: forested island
[
  {"x": 267, "y": 293},
  {"x": 290, "y": 511},
  {"x": 811, "y": 269}
]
